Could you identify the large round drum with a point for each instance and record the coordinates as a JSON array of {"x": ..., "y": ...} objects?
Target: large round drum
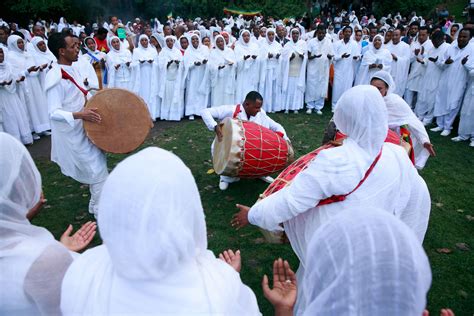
[
  {"x": 249, "y": 150},
  {"x": 125, "y": 121}
]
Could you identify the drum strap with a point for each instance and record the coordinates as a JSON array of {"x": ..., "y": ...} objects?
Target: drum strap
[
  {"x": 67, "y": 76},
  {"x": 342, "y": 197},
  {"x": 237, "y": 111}
]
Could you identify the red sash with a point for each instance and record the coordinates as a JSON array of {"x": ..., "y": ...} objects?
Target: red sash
[
  {"x": 406, "y": 136},
  {"x": 237, "y": 111},
  {"x": 340, "y": 198},
  {"x": 67, "y": 76}
]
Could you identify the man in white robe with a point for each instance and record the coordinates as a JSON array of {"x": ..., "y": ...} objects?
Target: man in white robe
[
  {"x": 251, "y": 110},
  {"x": 346, "y": 52},
  {"x": 419, "y": 48},
  {"x": 392, "y": 183},
  {"x": 75, "y": 154},
  {"x": 320, "y": 54},
  {"x": 401, "y": 62},
  {"x": 449, "y": 99},
  {"x": 431, "y": 78}
]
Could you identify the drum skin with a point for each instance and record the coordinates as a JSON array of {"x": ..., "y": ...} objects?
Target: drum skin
[
  {"x": 125, "y": 121},
  {"x": 249, "y": 150}
]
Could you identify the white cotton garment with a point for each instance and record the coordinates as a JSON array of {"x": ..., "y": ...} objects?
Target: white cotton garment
[
  {"x": 343, "y": 68},
  {"x": 318, "y": 68},
  {"x": 32, "y": 263},
  {"x": 71, "y": 149},
  {"x": 399, "y": 68},
  {"x": 366, "y": 262},
  {"x": 466, "y": 123},
  {"x": 154, "y": 259},
  {"x": 270, "y": 74},
  {"x": 31, "y": 89},
  {"x": 373, "y": 56},
  {"x": 195, "y": 98},
  {"x": 399, "y": 114},
  {"x": 124, "y": 76},
  {"x": 393, "y": 185}
]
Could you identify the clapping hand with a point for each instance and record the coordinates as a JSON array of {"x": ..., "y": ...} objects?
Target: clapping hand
[
  {"x": 176, "y": 62},
  {"x": 395, "y": 58},
  {"x": 433, "y": 59},
  {"x": 284, "y": 291},
  {"x": 150, "y": 61},
  {"x": 204, "y": 61},
  {"x": 330, "y": 56},
  {"x": 254, "y": 56},
  {"x": 345, "y": 55},
  {"x": 449, "y": 61},
  {"x": 81, "y": 239},
  {"x": 117, "y": 66},
  {"x": 464, "y": 60},
  {"x": 270, "y": 55},
  {"x": 232, "y": 259},
  {"x": 22, "y": 78}
]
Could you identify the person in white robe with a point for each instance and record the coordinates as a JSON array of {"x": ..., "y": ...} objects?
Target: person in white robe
[
  {"x": 248, "y": 66},
  {"x": 337, "y": 174},
  {"x": 466, "y": 122},
  {"x": 171, "y": 69},
  {"x": 33, "y": 263},
  {"x": 294, "y": 59},
  {"x": 154, "y": 258},
  {"x": 375, "y": 58},
  {"x": 13, "y": 111},
  {"x": 30, "y": 90},
  {"x": 419, "y": 48},
  {"x": 431, "y": 78},
  {"x": 270, "y": 73},
  {"x": 97, "y": 59},
  {"x": 366, "y": 241},
  {"x": 86, "y": 70},
  {"x": 71, "y": 149},
  {"x": 449, "y": 99},
  {"x": 401, "y": 55},
  {"x": 120, "y": 68},
  {"x": 400, "y": 115},
  {"x": 195, "y": 62},
  {"x": 345, "y": 54},
  {"x": 145, "y": 60},
  {"x": 320, "y": 54},
  {"x": 220, "y": 74},
  {"x": 251, "y": 110}
]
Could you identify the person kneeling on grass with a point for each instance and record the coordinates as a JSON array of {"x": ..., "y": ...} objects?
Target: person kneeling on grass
[
  {"x": 368, "y": 263},
  {"x": 154, "y": 259},
  {"x": 32, "y": 262}
]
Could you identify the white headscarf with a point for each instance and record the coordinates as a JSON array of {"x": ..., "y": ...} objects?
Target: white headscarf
[
  {"x": 154, "y": 258},
  {"x": 20, "y": 242},
  {"x": 5, "y": 69},
  {"x": 40, "y": 57},
  {"x": 299, "y": 47},
  {"x": 270, "y": 47},
  {"x": 242, "y": 49},
  {"x": 141, "y": 53},
  {"x": 399, "y": 114},
  {"x": 173, "y": 53},
  {"x": 222, "y": 56},
  {"x": 120, "y": 56},
  {"x": 19, "y": 59},
  {"x": 368, "y": 263},
  {"x": 193, "y": 55},
  {"x": 362, "y": 116}
]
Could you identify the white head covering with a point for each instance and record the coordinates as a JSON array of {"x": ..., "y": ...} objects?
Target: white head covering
[
  {"x": 172, "y": 53},
  {"x": 120, "y": 56},
  {"x": 5, "y": 70},
  {"x": 40, "y": 57},
  {"x": 154, "y": 258},
  {"x": 193, "y": 55},
  {"x": 399, "y": 114},
  {"x": 242, "y": 49},
  {"x": 270, "y": 47},
  {"x": 368, "y": 263},
  {"x": 222, "y": 56},
  {"x": 299, "y": 47},
  {"x": 20, "y": 242},
  {"x": 362, "y": 116},
  {"x": 19, "y": 59},
  {"x": 142, "y": 53}
]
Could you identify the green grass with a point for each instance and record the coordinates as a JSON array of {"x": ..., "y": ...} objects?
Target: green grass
[{"x": 450, "y": 178}]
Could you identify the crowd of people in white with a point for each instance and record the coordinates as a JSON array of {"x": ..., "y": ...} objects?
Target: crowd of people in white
[{"x": 184, "y": 66}]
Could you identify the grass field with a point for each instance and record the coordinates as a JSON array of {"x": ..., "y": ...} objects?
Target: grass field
[{"x": 450, "y": 178}]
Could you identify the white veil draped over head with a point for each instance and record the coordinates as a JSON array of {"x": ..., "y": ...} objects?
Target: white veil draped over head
[
  {"x": 154, "y": 258},
  {"x": 368, "y": 263}
]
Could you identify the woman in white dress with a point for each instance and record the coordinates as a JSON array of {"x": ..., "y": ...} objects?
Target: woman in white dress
[
  {"x": 145, "y": 60},
  {"x": 170, "y": 91},
  {"x": 120, "y": 68},
  {"x": 376, "y": 58},
  {"x": 154, "y": 259},
  {"x": 270, "y": 73},
  {"x": 195, "y": 63},
  {"x": 248, "y": 66}
]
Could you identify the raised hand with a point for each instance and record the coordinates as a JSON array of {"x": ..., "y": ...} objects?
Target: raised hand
[
  {"x": 449, "y": 61},
  {"x": 395, "y": 58},
  {"x": 117, "y": 66},
  {"x": 232, "y": 259},
  {"x": 81, "y": 239},
  {"x": 284, "y": 291},
  {"x": 464, "y": 60}
]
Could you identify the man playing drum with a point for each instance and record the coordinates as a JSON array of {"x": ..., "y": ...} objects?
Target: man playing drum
[
  {"x": 77, "y": 157},
  {"x": 252, "y": 111}
]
